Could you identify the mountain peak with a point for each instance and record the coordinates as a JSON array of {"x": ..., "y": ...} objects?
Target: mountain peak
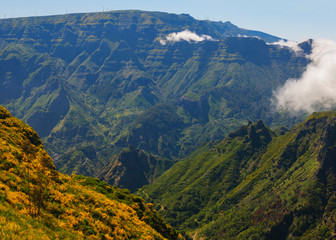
[
  {"x": 4, "y": 113},
  {"x": 257, "y": 133},
  {"x": 132, "y": 169}
]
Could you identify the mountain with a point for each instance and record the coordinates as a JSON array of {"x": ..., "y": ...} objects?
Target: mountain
[
  {"x": 133, "y": 168},
  {"x": 255, "y": 184},
  {"x": 38, "y": 202},
  {"x": 92, "y": 84}
]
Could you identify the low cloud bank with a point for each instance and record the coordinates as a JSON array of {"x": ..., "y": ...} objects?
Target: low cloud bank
[
  {"x": 316, "y": 89},
  {"x": 286, "y": 43},
  {"x": 185, "y": 35}
]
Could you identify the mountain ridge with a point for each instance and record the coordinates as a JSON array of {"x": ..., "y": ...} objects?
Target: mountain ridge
[
  {"x": 222, "y": 26},
  {"x": 242, "y": 188}
]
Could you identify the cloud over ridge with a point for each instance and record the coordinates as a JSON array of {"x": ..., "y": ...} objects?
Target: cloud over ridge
[
  {"x": 185, "y": 35},
  {"x": 287, "y": 43},
  {"x": 316, "y": 89}
]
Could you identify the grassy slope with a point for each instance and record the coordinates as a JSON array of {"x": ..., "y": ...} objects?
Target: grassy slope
[
  {"x": 282, "y": 189},
  {"x": 38, "y": 202}
]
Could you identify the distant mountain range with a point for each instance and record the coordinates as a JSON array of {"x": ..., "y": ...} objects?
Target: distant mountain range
[{"x": 93, "y": 84}]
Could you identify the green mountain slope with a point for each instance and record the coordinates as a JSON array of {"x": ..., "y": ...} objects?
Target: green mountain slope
[
  {"x": 255, "y": 185},
  {"x": 38, "y": 202},
  {"x": 91, "y": 84}
]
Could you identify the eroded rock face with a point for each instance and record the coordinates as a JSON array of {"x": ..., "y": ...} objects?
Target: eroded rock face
[{"x": 132, "y": 169}]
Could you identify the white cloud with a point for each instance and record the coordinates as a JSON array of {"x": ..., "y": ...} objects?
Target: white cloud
[
  {"x": 316, "y": 89},
  {"x": 246, "y": 36},
  {"x": 185, "y": 35},
  {"x": 286, "y": 43}
]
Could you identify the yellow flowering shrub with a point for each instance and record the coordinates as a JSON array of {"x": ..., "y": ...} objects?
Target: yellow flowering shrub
[{"x": 37, "y": 202}]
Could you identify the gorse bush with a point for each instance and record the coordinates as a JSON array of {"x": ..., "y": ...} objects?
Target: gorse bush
[{"x": 36, "y": 201}]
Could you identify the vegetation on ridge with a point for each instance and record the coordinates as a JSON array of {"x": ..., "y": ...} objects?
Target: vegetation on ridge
[
  {"x": 38, "y": 202},
  {"x": 255, "y": 185}
]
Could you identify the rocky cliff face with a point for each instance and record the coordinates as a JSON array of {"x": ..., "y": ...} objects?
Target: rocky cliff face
[{"x": 132, "y": 169}]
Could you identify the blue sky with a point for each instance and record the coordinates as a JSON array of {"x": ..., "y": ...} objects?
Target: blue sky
[{"x": 296, "y": 20}]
